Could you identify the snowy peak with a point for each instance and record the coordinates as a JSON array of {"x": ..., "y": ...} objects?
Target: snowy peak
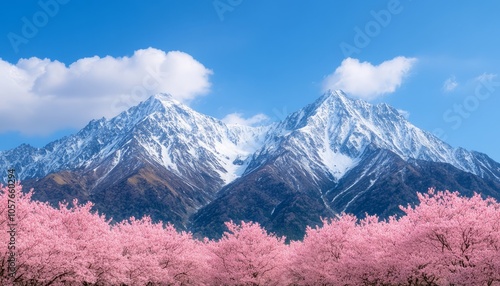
[
  {"x": 160, "y": 130},
  {"x": 186, "y": 142},
  {"x": 336, "y": 105},
  {"x": 335, "y": 131},
  {"x": 356, "y": 123},
  {"x": 179, "y": 137}
]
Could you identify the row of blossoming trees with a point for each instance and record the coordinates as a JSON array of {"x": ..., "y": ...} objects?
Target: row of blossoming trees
[{"x": 445, "y": 240}]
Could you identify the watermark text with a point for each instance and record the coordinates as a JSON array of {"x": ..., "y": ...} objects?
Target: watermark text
[{"x": 11, "y": 223}]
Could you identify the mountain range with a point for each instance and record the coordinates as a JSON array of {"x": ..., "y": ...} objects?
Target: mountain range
[{"x": 163, "y": 159}]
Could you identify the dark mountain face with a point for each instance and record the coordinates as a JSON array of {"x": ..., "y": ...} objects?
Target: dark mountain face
[
  {"x": 383, "y": 181},
  {"x": 378, "y": 185},
  {"x": 165, "y": 160},
  {"x": 148, "y": 189},
  {"x": 134, "y": 185},
  {"x": 282, "y": 204}
]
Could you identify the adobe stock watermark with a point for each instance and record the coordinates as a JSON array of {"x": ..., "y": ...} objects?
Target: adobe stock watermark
[
  {"x": 363, "y": 36},
  {"x": 281, "y": 114},
  {"x": 31, "y": 26},
  {"x": 459, "y": 112},
  {"x": 223, "y": 6},
  {"x": 149, "y": 85},
  {"x": 11, "y": 223}
]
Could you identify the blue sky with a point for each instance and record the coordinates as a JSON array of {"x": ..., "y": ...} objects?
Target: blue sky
[{"x": 64, "y": 62}]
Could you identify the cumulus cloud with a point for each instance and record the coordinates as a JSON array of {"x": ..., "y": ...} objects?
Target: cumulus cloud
[
  {"x": 367, "y": 81},
  {"x": 40, "y": 96},
  {"x": 237, "y": 118},
  {"x": 450, "y": 84}
]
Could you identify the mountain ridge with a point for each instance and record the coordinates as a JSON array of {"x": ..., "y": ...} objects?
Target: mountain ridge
[{"x": 164, "y": 159}]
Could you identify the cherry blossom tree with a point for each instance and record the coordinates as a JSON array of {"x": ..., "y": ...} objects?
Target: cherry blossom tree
[
  {"x": 43, "y": 252},
  {"x": 451, "y": 240},
  {"x": 96, "y": 254},
  {"x": 247, "y": 255},
  {"x": 343, "y": 251},
  {"x": 160, "y": 255}
]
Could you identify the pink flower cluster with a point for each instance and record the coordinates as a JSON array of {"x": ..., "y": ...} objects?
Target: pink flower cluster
[{"x": 445, "y": 240}]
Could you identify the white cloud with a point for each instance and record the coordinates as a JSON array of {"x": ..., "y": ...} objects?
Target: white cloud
[
  {"x": 450, "y": 84},
  {"x": 237, "y": 118},
  {"x": 404, "y": 113},
  {"x": 366, "y": 81},
  {"x": 40, "y": 96}
]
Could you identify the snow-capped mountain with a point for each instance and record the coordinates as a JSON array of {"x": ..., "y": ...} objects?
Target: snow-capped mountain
[
  {"x": 192, "y": 156},
  {"x": 169, "y": 133},
  {"x": 343, "y": 155},
  {"x": 164, "y": 159},
  {"x": 336, "y": 130}
]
